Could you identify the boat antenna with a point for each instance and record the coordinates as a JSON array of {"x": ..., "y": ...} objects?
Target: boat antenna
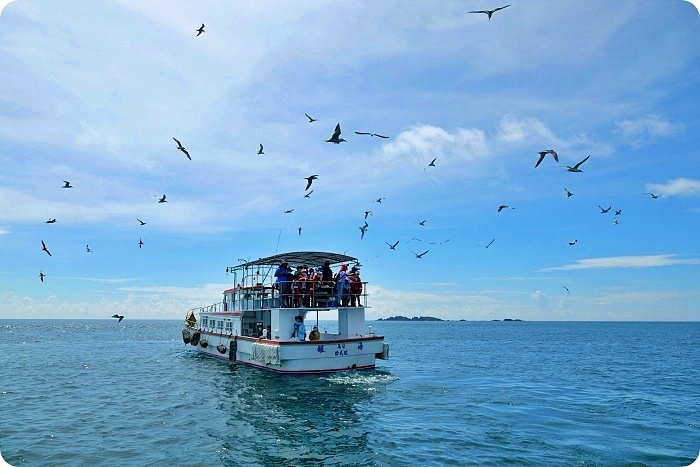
[{"x": 278, "y": 242}]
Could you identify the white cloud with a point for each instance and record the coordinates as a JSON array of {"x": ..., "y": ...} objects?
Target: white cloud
[
  {"x": 611, "y": 262},
  {"x": 427, "y": 140},
  {"x": 675, "y": 187},
  {"x": 644, "y": 129},
  {"x": 512, "y": 130},
  {"x": 542, "y": 300}
]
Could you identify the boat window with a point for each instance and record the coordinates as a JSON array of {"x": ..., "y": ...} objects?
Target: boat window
[
  {"x": 229, "y": 326},
  {"x": 204, "y": 321}
]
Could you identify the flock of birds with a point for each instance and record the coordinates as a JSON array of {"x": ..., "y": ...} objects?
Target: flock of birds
[{"x": 336, "y": 138}]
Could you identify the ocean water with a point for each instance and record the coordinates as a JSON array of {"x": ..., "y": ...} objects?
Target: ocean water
[{"x": 98, "y": 393}]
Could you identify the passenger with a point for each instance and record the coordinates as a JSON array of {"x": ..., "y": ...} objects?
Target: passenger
[
  {"x": 299, "y": 332},
  {"x": 315, "y": 335},
  {"x": 355, "y": 287},
  {"x": 327, "y": 274},
  {"x": 302, "y": 290},
  {"x": 268, "y": 332},
  {"x": 341, "y": 285},
  {"x": 283, "y": 284}
]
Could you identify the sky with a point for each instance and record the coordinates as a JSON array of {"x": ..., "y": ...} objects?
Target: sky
[{"x": 93, "y": 92}]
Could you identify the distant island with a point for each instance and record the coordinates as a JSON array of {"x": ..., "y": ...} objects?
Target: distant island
[{"x": 415, "y": 318}]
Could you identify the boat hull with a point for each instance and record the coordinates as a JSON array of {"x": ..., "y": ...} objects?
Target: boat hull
[{"x": 293, "y": 357}]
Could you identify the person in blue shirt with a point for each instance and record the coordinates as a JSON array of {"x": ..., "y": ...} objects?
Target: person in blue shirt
[
  {"x": 283, "y": 284},
  {"x": 299, "y": 332}
]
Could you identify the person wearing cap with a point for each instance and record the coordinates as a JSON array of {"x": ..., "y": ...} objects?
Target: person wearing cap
[
  {"x": 314, "y": 335},
  {"x": 355, "y": 286}
]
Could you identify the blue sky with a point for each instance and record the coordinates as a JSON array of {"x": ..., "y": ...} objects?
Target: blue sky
[{"x": 94, "y": 91}]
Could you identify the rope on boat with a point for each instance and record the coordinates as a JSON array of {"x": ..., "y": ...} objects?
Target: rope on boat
[{"x": 266, "y": 353}]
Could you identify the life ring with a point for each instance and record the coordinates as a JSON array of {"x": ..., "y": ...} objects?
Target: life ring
[
  {"x": 195, "y": 338},
  {"x": 204, "y": 343},
  {"x": 232, "y": 348},
  {"x": 221, "y": 348},
  {"x": 186, "y": 336}
]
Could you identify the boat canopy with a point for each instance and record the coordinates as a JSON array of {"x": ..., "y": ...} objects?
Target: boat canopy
[{"x": 297, "y": 258}]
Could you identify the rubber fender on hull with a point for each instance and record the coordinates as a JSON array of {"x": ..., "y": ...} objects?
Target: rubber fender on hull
[{"x": 195, "y": 338}]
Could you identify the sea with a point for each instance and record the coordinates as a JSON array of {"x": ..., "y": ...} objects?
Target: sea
[{"x": 102, "y": 393}]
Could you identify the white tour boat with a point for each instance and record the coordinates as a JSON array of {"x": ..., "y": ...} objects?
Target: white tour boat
[{"x": 255, "y": 322}]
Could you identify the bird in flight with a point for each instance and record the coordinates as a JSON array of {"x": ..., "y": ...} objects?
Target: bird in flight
[
  {"x": 503, "y": 206},
  {"x": 310, "y": 119},
  {"x": 576, "y": 167},
  {"x": 142, "y": 222},
  {"x": 43, "y": 247},
  {"x": 414, "y": 238},
  {"x": 604, "y": 210},
  {"x": 67, "y": 184},
  {"x": 182, "y": 148},
  {"x": 379, "y": 200},
  {"x": 568, "y": 193},
  {"x": 490, "y": 12},
  {"x": 140, "y": 243},
  {"x": 440, "y": 243},
  {"x": 490, "y": 243},
  {"x": 260, "y": 151},
  {"x": 41, "y": 276},
  {"x": 119, "y": 317},
  {"x": 393, "y": 247},
  {"x": 370, "y": 134},
  {"x": 336, "y": 136},
  {"x": 567, "y": 289},
  {"x": 50, "y": 221},
  {"x": 367, "y": 213},
  {"x": 422, "y": 223},
  {"x": 308, "y": 195},
  {"x": 162, "y": 200},
  {"x": 87, "y": 249},
  {"x": 654, "y": 196},
  {"x": 419, "y": 255},
  {"x": 289, "y": 211},
  {"x": 200, "y": 31},
  {"x": 615, "y": 221},
  {"x": 573, "y": 242},
  {"x": 544, "y": 153},
  {"x": 309, "y": 181},
  {"x": 299, "y": 230},
  {"x": 432, "y": 163},
  {"x": 363, "y": 229},
  {"x": 618, "y": 212}
]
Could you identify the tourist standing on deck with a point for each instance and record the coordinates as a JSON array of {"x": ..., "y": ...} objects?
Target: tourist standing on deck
[
  {"x": 327, "y": 273},
  {"x": 341, "y": 284},
  {"x": 283, "y": 285},
  {"x": 355, "y": 286},
  {"x": 299, "y": 332}
]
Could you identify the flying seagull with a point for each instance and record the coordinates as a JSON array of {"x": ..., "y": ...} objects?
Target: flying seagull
[
  {"x": 200, "y": 31},
  {"x": 440, "y": 243},
  {"x": 260, "y": 151},
  {"x": 43, "y": 247},
  {"x": 544, "y": 153},
  {"x": 299, "y": 230},
  {"x": 67, "y": 184},
  {"x": 379, "y": 200},
  {"x": 367, "y": 213},
  {"x": 567, "y": 289},
  {"x": 490, "y": 243},
  {"x": 432, "y": 163},
  {"x": 41, "y": 276},
  {"x": 336, "y": 136},
  {"x": 50, "y": 221},
  {"x": 370, "y": 134},
  {"x": 422, "y": 223},
  {"x": 289, "y": 211},
  {"x": 162, "y": 200},
  {"x": 393, "y": 247},
  {"x": 310, "y": 119},
  {"x": 503, "y": 206},
  {"x": 182, "y": 148},
  {"x": 653, "y": 195},
  {"x": 140, "y": 243},
  {"x": 604, "y": 210},
  {"x": 490, "y": 12},
  {"x": 573, "y": 242},
  {"x": 142, "y": 222},
  {"x": 119, "y": 317},
  {"x": 310, "y": 180},
  {"x": 363, "y": 229},
  {"x": 414, "y": 238},
  {"x": 419, "y": 255},
  {"x": 576, "y": 167},
  {"x": 618, "y": 212},
  {"x": 568, "y": 193},
  {"x": 87, "y": 248},
  {"x": 308, "y": 195}
]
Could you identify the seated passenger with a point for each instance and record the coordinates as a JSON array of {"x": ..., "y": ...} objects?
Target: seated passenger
[
  {"x": 299, "y": 332},
  {"x": 315, "y": 335}
]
